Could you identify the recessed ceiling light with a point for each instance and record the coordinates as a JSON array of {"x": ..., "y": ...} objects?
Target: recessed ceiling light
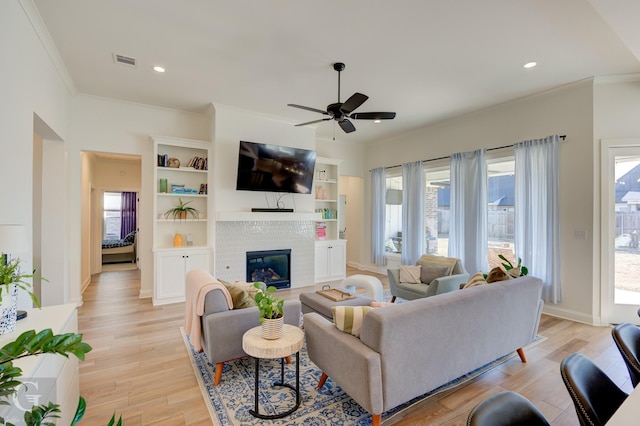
[
  {"x": 158, "y": 68},
  {"x": 530, "y": 64}
]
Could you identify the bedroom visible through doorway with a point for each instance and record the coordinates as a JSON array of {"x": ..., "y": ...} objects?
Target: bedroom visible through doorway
[{"x": 119, "y": 229}]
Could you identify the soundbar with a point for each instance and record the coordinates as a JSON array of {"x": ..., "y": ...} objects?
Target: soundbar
[{"x": 261, "y": 210}]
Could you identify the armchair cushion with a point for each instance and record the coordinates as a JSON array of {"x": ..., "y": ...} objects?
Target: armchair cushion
[
  {"x": 411, "y": 274},
  {"x": 431, "y": 271},
  {"x": 431, "y": 261}
]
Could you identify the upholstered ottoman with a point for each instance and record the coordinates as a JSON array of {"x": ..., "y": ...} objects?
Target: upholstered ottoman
[
  {"x": 371, "y": 285},
  {"x": 314, "y": 302}
]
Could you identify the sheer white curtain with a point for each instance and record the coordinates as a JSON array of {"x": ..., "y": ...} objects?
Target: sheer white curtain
[
  {"x": 468, "y": 226},
  {"x": 537, "y": 215},
  {"x": 378, "y": 189},
  {"x": 412, "y": 212}
]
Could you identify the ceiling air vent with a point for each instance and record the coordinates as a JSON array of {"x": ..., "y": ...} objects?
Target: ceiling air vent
[{"x": 124, "y": 60}]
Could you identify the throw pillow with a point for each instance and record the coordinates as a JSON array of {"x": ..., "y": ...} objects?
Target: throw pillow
[
  {"x": 476, "y": 279},
  {"x": 410, "y": 274},
  {"x": 497, "y": 274},
  {"x": 430, "y": 272},
  {"x": 438, "y": 260},
  {"x": 349, "y": 318},
  {"x": 131, "y": 237},
  {"x": 241, "y": 298},
  {"x": 248, "y": 287}
]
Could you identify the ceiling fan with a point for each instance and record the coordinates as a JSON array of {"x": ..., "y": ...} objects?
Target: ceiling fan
[{"x": 342, "y": 111}]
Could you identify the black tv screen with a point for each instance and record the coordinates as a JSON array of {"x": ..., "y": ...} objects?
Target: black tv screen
[{"x": 273, "y": 168}]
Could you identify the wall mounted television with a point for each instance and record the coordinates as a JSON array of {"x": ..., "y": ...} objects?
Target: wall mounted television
[{"x": 273, "y": 168}]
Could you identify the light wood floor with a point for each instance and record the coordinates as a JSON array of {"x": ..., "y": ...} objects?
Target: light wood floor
[{"x": 139, "y": 366}]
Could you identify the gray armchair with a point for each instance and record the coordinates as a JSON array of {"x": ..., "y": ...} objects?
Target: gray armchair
[
  {"x": 440, "y": 285},
  {"x": 222, "y": 328}
]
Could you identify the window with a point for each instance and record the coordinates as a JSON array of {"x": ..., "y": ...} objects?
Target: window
[
  {"x": 501, "y": 210},
  {"x": 437, "y": 210},
  {"x": 393, "y": 226},
  {"x": 112, "y": 203}
]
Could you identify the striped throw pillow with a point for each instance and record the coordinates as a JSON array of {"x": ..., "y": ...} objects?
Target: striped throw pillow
[
  {"x": 476, "y": 279},
  {"x": 349, "y": 318}
]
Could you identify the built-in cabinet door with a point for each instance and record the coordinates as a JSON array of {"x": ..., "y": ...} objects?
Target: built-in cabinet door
[
  {"x": 331, "y": 260},
  {"x": 171, "y": 271},
  {"x": 337, "y": 260}
]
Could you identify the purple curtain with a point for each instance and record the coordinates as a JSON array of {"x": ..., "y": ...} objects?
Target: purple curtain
[{"x": 128, "y": 213}]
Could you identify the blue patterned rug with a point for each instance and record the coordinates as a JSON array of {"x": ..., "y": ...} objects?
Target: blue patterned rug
[{"x": 232, "y": 399}]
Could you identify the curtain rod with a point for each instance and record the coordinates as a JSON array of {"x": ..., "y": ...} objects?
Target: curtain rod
[{"x": 563, "y": 137}]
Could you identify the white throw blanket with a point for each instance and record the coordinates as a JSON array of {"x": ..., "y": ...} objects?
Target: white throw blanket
[{"x": 199, "y": 283}]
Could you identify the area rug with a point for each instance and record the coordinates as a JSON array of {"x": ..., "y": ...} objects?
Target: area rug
[{"x": 229, "y": 402}]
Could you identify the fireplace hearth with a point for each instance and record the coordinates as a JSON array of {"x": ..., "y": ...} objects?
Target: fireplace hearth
[{"x": 270, "y": 266}]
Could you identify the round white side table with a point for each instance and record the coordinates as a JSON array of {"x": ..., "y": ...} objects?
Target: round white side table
[{"x": 259, "y": 348}]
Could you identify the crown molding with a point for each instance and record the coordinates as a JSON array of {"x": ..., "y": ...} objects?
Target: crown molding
[{"x": 32, "y": 13}]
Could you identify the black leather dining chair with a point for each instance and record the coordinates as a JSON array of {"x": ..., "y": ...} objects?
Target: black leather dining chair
[
  {"x": 595, "y": 396},
  {"x": 506, "y": 409},
  {"x": 627, "y": 339}
]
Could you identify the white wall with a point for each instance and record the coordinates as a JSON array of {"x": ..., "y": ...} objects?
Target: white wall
[
  {"x": 105, "y": 125},
  {"x": 30, "y": 84},
  {"x": 616, "y": 111},
  {"x": 566, "y": 110},
  {"x": 233, "y": 125}
]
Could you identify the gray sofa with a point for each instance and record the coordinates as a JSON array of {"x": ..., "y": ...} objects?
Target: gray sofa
[
  {"x": 222, "y": 328},
  {"x": 440, "y": 285},
  {"x": 408, "y": 349}
]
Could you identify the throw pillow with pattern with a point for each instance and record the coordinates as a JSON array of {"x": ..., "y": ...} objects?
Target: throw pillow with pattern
[
  {"x": 410, "y": 274},
  {"x": 349, "y": 318}
]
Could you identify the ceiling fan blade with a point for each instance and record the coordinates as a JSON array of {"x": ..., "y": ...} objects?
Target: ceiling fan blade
[
  {"x": 353, "y": 102},
  {"x": 312, "y": 122},
  {"x": 347, "y": 126},
  {"x": 373, "y": 115},
  {"x": 308, "y": 108}
]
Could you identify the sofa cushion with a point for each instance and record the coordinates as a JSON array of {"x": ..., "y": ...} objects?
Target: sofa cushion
[
  {"x": 497, "y": 274},
  {"x": 476, "y": 279},
  {"x": 349, "y": 318},
  {"x": 241, "y": 297},
  {"x": 410, "y": 274},
  {"x": 431, "y": 271}
]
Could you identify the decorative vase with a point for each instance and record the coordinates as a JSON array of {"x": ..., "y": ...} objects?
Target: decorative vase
[
  {"x": 8, "y": 308},
  {"x": 272, "y": 328}
]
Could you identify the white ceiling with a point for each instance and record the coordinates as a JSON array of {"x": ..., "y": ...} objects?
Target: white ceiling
[{"x": 427, "y": 60}]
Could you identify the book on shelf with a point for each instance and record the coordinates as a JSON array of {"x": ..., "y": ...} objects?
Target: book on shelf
[
  {"x": 199, "y": 163},
  {"x": 163, "y": 160}
]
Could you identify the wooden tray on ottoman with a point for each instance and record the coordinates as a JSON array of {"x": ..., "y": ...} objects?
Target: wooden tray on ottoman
[{"x": 335, "y": 294}]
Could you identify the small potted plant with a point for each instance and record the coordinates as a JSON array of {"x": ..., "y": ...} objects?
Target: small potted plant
[
  {"x": 11, "y": 279},
  {"x": 182, "y": 210},
  {"x": 271, "y": 309}
]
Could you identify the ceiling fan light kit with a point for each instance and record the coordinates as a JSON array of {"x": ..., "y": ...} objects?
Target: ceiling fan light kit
[{"x": 343, "y": 111}]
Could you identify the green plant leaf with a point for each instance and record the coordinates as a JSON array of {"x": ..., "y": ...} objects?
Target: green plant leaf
[
  {"x": 524, "y": 271},
  {"x": 82, "y": 408}
]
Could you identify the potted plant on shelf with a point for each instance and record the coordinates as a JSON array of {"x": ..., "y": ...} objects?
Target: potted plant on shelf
[
  {"x": 11, "y": 279},
  {"x": 271, "y": 309},
  {"x": 182, "y": 210}
]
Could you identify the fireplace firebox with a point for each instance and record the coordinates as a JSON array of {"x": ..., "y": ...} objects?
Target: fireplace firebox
[{"x": 270, "y": 266}]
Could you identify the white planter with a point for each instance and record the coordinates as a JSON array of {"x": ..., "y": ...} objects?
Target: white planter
[
  {"x": 272, "y": 328},
  {"x": 8, "y": 309}
]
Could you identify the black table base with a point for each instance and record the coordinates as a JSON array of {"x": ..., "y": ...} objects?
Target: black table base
[{"x": 255, "y": 412}]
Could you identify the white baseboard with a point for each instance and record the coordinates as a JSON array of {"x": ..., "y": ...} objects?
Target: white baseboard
[
  {"x": 145, "y": 294},
  {"x": 570, "y": 315}
]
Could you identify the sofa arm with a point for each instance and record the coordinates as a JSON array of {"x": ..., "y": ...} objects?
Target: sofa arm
[
  {"x": 450, "y": 282},
  {"x": 354, "y": 366},
  {"x": 222, "y": 332}
]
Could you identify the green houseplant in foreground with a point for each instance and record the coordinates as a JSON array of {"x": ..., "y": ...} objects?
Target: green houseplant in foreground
[
  {"x": 182, "y": 210},
  {"x": 269, "y": 305}
]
